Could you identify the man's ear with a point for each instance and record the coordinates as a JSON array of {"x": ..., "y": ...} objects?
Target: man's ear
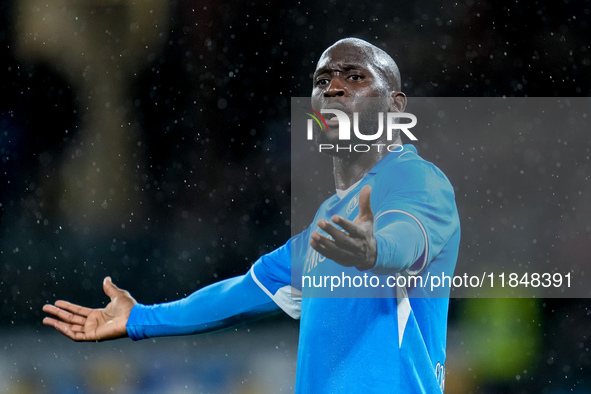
[{"x": 398, "y": 103}]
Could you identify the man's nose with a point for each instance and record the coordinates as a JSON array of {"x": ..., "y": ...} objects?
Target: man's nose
[{"x": 336, "y": 88}]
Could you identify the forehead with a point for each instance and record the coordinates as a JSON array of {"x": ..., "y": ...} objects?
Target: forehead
[{"x": 345, "y": 56}]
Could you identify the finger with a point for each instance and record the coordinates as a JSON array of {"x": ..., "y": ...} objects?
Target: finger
[
  {"x": 73, "y": 332},
  {"x": 321, "y": 240},
  {"x": 342, "y": 241},
  {"x": 64, "y": 315},
  {"x": 329, "y": 249},
  {"x": 365, "y": 211},
  {"x": 73, "y": 308},
  {"x": 110, "y": 289},
  {"x": 350, "y": 227},
  {"x": 50, "y": 321},
  {"x": 338, "y": 256},
  {"x": 339, "y": 236}
]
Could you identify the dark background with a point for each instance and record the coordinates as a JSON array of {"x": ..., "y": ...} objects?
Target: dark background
[{"x": 212, "y": 105}]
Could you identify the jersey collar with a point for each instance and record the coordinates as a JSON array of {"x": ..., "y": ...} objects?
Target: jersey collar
[{"x": 403, "y": 150}]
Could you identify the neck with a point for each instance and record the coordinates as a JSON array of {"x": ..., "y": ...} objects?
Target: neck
[{"x": 350, "y": 169}]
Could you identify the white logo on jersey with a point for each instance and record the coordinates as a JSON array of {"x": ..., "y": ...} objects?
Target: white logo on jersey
[
  {"x": 313, "y": 257},
  {"x": 312, "y": 260},
  {"x": 353, "y": 203},
  {"x": 440, "y": 375}
]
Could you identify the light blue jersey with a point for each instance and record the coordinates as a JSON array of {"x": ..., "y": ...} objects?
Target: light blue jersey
[{"x": 368, "y": 334}]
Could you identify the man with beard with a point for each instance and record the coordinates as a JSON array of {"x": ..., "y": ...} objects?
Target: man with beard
[{"x": 383, "y": 338}]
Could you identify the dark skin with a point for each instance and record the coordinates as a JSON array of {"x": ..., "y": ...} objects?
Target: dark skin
[
  {"x": 85, "y": 324},
  {"x": 346, "y": 73}
]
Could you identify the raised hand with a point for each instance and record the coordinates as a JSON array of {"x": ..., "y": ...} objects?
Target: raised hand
[
  {"x": 86, "y": 324},
  {"x": 356, "y": 245}
]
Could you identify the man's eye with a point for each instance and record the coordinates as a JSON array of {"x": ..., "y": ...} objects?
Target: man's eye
[
  {"x": 322, "y": 81},
  {"x": 355, "y": 77}
]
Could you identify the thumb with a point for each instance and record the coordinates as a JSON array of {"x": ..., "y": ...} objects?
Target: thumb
[
  {"x": 365, "y": 212},
  {"x": 110, "y": 289}
]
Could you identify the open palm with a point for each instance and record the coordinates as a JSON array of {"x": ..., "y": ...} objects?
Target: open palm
[
  {"x": 86, "y": 324},
  {"x": 355, "y": 246}
]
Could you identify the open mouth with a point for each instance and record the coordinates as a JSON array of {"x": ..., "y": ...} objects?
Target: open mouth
[{"x": 332, "y": 122}]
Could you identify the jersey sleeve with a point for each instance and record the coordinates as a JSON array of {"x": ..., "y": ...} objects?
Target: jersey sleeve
[
  {"x": 273, "y": 274},
  {"x": 418, "y": 193},
  {"x": 400, "y": 242},
  {"x": 217, "y": 306}
]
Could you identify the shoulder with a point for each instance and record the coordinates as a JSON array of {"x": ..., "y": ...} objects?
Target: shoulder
[{"x": 409, "y": 171}]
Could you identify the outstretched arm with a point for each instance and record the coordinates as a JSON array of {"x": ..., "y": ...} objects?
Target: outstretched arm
[{"x": 217, "y": 306}]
